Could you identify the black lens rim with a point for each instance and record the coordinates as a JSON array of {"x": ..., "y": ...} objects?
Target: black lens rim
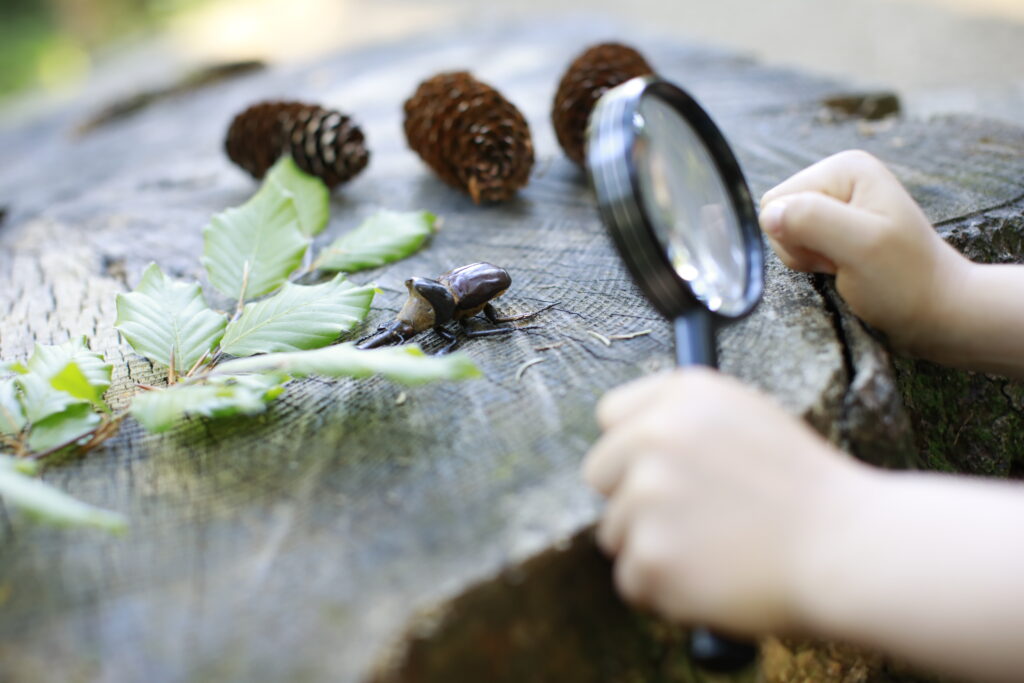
[{"x": 611, "y": 140}]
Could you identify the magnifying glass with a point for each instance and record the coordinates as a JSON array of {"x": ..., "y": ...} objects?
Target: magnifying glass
[{"x": 674, "y": 200}]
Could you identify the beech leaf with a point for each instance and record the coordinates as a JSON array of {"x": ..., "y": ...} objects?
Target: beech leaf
[
  {"x": 162, "y": 314},
  {"x": 222, "y": 396},
  {"x": 310, "y": 194},
  {"x": 250, "y": 250},
  {"x": 48, "y": 361},
  {"x": 404, "y": 364},
  {"x": 384, "y": 237},
  {"x": 65, "y": 427},
  {"x": 41, "y": 501},
  {"x": 73, "y": 381},
  {"x": 298, "y": 317},
  {"x": 12, "y": 416},
  {"x": 12, "y": 367},
  {"x": 40, "y": 399}
]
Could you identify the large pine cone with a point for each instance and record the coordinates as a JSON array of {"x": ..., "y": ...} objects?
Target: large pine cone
[
  {"x": 323, "y": 142},
  {"x": 599, "y": 69},
  {"x": 471, "y": 136}
]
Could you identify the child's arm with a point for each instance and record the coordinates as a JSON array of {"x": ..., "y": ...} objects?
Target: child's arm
[
  {"x": 725, "y": 510},
  {"x": 848, "y": 215}
]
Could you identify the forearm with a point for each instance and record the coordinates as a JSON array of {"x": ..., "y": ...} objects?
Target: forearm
[
  {"x": 981, "y": 321},
  {"x": 924, "y": 566}
]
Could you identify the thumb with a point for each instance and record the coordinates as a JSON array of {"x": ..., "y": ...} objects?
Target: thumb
[{"x": 824, "y": 225}]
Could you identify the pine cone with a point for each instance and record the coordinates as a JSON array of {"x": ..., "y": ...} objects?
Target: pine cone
[
  {"x": 323, "y": 142},
  {"x": 599, "y": 69},
  {"x": 471, "y": 136}
]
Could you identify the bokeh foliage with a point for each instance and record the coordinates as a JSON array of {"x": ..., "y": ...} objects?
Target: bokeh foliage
[{"x": 50, "y": 43}]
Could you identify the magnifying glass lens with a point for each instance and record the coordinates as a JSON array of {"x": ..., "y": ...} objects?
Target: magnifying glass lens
[{"x": 689, "y": 207}]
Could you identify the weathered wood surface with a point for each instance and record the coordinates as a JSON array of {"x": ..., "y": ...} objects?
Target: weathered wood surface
[{"x": 298, "y": 545}]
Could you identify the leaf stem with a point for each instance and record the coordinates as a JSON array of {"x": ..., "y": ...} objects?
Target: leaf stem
[
  {"x": 241, "y": 294},
  {"x": 98, "y": 435},
  {"x": 195, "y": 366}
]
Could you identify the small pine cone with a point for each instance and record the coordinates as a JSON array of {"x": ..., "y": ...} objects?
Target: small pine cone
[
  {"x": 323, "y": 142},
  {"x": 471, "y": 136},
  {"x": 599, "y": 69}
]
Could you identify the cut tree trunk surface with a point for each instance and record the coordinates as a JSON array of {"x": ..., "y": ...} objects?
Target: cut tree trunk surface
[{"x": 337, "y": 535}]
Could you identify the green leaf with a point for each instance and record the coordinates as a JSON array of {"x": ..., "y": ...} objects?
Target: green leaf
[
  {"x": 40, "y": 399},
  {"x": 64, "y": 427},
  {"x": 162, "y": 314},
  {"x": 73, "y": 381},
  {"x": 223, "y": 396},
  {"x": 46, "y": 503},
  {"x": 12, "y": 416},
  {"x": 57, "y": 407},
  {"x": 48, "y": 361},
  {"x": 405, "y": 364},
  {"x": 310, "y": 194},
  {"x": 298, "y": 317},
  {"x": 254, "y": 247},
  {"x": 12, "y": 367},
  {"x": 21, "y": 465},
  {"x": 384, "y": 237}
]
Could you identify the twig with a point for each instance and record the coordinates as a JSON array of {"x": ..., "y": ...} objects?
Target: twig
[
  {"x": 549, "y": 347},
  {"x": 630, "y": 335},
  {"x": 15, "y": 442},
  {"x": 104, "y": 431},
  {"x": 170, "y": 369},
  {"x": 92, "y": 443},
  {"x": 600, "y": 337},
  {"x": 527, "y": 364},
  {"x": 216, "y": 359},
  {"x": 195, "y": 366}
]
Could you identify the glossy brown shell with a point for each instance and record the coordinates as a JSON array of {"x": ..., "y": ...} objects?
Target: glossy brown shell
[{"x": 476, "y": 284}]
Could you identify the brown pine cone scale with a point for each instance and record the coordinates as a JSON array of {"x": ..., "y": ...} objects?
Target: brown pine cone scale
[
  {"x": 470, "y": 135},
  {"x": 323, "y": 142},
  {"x": 598, "y": 69}
]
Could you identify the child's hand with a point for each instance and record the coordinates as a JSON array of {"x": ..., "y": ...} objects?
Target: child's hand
[
  {"x": 723, "y": 510},
  {"x": 849, "y": 216},
  {"x": 715, "y": 497}
]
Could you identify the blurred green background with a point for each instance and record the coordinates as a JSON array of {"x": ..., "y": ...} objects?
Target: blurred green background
[
  {"x": 942, "y": 55},
  {"x": 52, "y": 43}
]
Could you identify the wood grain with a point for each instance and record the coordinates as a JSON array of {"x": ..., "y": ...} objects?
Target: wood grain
[{"x": 298, "y": 545}]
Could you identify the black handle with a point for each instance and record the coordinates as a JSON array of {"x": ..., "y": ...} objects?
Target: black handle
[
  {"x": 695, "y": 345},
  {"x": 695, "y": 339}
]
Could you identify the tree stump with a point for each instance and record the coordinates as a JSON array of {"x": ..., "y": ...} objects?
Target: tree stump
[{"x": 346, "y": 535}]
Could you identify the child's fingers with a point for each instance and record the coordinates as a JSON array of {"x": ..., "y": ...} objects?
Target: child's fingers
[
  {"x": 644, "y": 486},
  {"x": 629, "y": 399},
  {"x": 803, "y": 260},
  {"x": 836, "y": 176},
  {"x": 637, "y": 568},
  {"x": 820, "y": 224},
  {"x": 605, "y": 463}
]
